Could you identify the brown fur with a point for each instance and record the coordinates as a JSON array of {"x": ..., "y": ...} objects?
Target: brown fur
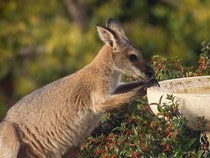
[{"x": 50, "y": 120}]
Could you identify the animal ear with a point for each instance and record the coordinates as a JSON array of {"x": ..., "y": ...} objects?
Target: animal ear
[
  {"x": 116, "y": 27},
  {"x": 106, "y": 35}
]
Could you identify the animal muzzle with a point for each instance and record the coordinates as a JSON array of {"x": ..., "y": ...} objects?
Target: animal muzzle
[
  {"x": 148, "y": 72},
  {"x": 145, "y": 71}
]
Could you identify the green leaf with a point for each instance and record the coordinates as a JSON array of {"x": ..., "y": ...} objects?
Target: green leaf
[{"x": 191, "y": 142}]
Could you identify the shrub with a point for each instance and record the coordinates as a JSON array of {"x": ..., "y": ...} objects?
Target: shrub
[{"x": 134, "y": 131}]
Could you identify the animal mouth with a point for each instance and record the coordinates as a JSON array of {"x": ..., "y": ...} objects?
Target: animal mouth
[
  {"x": 138, "y": 78},
  {"x": 143, "y": 77}
]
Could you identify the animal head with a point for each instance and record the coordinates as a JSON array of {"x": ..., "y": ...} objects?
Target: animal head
[{"x": 126, "y": 56}]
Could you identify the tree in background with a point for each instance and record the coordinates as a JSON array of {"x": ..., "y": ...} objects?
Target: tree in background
[{"x": 41, "y": 41}]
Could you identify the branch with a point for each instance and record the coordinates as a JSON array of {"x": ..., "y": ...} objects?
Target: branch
[{"x": 79, "y": 12}]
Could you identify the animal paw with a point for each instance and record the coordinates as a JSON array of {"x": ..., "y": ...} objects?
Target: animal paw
[
  {"x": 143, "y": 90},
  {"x": 152, "y": 82}
]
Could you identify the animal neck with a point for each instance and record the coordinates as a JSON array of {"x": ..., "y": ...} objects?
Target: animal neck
[
  {"x": 104, "y": 57},
  {"x": 106, "y": 66}
]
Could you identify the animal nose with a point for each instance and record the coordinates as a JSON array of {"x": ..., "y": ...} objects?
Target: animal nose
[{"x": 150, "y": 72}]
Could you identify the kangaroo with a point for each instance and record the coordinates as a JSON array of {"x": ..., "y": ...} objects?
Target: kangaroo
[{"x": 51, "y": 120}]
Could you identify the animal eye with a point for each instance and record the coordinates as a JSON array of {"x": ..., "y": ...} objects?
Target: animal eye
[{"x": 132, "y": 58}]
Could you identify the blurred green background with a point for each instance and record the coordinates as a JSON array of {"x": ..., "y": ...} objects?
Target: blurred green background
[{"x": 43, "y": 40}]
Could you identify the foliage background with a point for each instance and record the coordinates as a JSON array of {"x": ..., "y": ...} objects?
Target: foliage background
[{"x": 41, "y": 41}]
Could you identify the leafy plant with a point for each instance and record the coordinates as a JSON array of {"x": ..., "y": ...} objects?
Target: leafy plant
[
  {"x": 141, "y": 134},
  {"x": 204, "y": 60}
]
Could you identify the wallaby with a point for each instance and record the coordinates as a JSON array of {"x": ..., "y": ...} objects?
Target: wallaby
[{"x": 51, "y": 120}]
